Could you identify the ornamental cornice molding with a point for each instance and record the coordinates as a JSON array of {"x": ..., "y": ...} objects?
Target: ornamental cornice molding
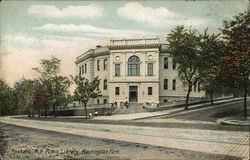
[
  {"x": 134, "y": 46},
  {"x": 92, "y": 55},
  {"x": 130, "y": 82}
]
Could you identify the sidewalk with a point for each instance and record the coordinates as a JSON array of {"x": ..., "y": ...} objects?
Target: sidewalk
[
  {"x": 238, "y": 120},
  {"x": 144, "y": 115}
]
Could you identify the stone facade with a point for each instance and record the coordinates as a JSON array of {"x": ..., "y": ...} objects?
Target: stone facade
[{"x": 134, "y": 70}]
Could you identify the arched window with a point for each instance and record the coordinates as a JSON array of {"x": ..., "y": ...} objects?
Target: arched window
[{"x": 133, "y": 66}]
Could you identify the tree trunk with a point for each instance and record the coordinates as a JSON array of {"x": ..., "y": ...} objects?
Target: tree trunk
[
  {"x": 54, "y": 110},
  {"x": 245, "y": 100},
  {"x": 211, "y": 98},
  {"x": 29, "y": 113},
  {"x": 32, "y": 113},
  {"x": 187, "y": 97},
  {"x": 45, "y": 112},
  {"x": 39, "y": 113},
  {"x": 86, "y": 114}
]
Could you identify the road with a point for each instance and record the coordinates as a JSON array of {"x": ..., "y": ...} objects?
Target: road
[{"x": 232, "y": 143}]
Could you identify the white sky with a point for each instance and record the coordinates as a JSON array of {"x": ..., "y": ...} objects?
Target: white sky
[{"x": 31, "y": 30}]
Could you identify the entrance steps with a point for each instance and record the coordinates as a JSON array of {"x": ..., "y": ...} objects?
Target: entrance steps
[{"x": 132, "y": 108}]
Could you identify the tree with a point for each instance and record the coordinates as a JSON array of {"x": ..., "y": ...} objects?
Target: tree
[
  {"x": 85, "y": 90},
  {"x": 213, "y": 48},
  {"x": 24, "y": 90},
  {"x": 211, "y": 82},
  {"x": 7, "y": 99},
  {"x": 194, "y": 52},
  {"x": 40, "y": 100},
  {"x": 235, "y": 65},
  {"x": 56, "y": 85}
]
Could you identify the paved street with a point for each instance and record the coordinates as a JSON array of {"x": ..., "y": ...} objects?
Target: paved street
[{"x": 233, "y": 143}]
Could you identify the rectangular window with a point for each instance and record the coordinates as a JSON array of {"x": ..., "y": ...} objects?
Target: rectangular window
[
  {"x": 105, "y": 84},
  {"x": 98, "y": 101},
  {"x": 117, "y": 69},
  {"x": 199, "y": 89},
  {"x": 150, "y": 90},
  {"x": 117, "y": 90},
  {"x": 195, "y": 87},
  {"x": 150, "y": 69},
  {"x": 174, "y": 84},
  {"x": 165, "y": 85},
  {"x": 174, "y": 64},
  {"x": 98, "y": 65},
  {"x": 80, "y": 70},
  {"x": 85, "y": 68},
  {"x": 166, "y": 63},
  {"x": 105, "y": 101},
  {"x": 105, "y": 64}
]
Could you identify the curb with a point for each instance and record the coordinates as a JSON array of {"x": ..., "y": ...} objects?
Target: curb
[{"x": 233, "y": 122}]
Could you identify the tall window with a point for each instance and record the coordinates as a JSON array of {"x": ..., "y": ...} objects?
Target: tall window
[
  {"x": 105, "y": 64},
  {"x": 195, "y": 87},
  {"x": 98, "y": 65},
  {"x": 174, "y": 63},
  {"x": 174, "y": 84},
  {"x": 117, "y": 90},
  {"x": 166, "y": 63},
  {"x": 80, "y": 70},
  {"x": 105, "y": 84},
  {"x": 117, "y": 69},
  {"x": 86, "y": 68},
  {"x": 133, "y": 66},
  {"x": 98, "y": 101},
  {"x": 199, "y": 89},
  {"x": 165, "y": 85},
  {"x": 150, "y": 90},
  {"x": 105, "y": 101},
  {"x": 150, "y": 69}
]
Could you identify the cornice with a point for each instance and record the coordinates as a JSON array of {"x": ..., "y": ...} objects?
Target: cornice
[
  {"x": 134, "y": 81},
  {"x": 92, "y": 55},
  {"x": 136, "y": 46}
]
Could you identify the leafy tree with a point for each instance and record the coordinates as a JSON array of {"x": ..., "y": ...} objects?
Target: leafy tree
[
  {"x": 213, "y": 48},
  {"x": 69, "y": 99},
  {"x": 40, "y": 100},
  {"x": 7, "y": 99},
  {"x": 211, "y": 82},
  {"x": 194, "y": 53},
  {"x": 235, "y": 65},
  {"x": 56, "y": 85},
  {"x": 85, "y": 90},
  {"x": 25, "y": 89}
]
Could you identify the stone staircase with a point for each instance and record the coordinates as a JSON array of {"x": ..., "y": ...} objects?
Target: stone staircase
[{"x": 132, "y": 108}]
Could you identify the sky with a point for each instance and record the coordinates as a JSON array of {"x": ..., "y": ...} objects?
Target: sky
[{"x": 32, "y": 30}]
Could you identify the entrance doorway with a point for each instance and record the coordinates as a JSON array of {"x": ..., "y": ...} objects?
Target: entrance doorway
[{"x": 133, "y": 93}]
